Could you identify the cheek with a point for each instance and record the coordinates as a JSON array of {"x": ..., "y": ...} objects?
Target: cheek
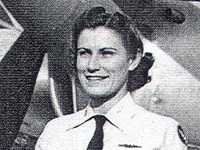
[
  {"x": 117, "y": 65},
  {"x": 118, "y": 74},
  {"x": 81, "y": 64}
]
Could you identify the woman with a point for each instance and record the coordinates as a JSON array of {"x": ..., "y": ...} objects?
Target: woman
[{"x": 108, "y": 52}]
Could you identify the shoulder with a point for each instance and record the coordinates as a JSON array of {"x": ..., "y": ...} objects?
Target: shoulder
[
  {"x": 65, "y": 122},
  {"x": 55, "y": 129},
  {"x": 165, "y": 128},
  {"x": 144, "y": 116},
  {"x": 174, "y": 136},
  {"x": 155, "y": 119},
  {"x": 153, "y": 123}
]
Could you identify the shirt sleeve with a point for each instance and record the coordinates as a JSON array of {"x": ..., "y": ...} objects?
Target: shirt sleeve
[{"x": 175, "y": 138}]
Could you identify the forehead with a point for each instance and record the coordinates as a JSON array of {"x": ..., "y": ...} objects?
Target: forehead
[{"x": 99, "y": 37}]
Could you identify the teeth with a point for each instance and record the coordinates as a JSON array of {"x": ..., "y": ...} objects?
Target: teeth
[{"x": 95, "y": 78}]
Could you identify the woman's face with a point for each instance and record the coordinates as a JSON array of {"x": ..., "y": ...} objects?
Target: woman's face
[{"x": 102, "y": 62}]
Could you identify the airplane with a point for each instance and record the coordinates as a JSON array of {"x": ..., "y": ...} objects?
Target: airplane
[{"x": 171, "y": 33}]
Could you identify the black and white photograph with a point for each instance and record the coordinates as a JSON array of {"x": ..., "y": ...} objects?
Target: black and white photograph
[{"x": 99, "y": 74}]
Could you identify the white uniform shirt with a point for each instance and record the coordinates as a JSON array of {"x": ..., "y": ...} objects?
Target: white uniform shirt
[{"x": 130, "y": 127}]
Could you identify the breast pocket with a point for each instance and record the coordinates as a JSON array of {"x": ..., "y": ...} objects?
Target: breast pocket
[
  {"x": 127, "y": 142},
  {"x": 122, "y": 142}
]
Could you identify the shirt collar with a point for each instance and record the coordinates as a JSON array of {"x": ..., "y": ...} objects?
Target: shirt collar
[{"x": 125, "y": 109}]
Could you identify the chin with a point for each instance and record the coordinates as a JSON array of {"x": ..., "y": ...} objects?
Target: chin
[{"x": 99, "y": 93}]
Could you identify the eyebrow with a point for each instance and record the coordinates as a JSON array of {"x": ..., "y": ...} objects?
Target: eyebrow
[
  {"x": 104, "y": 48},
  {"x": 87, "y": 49},
  {"x": 101, "y": 49}
]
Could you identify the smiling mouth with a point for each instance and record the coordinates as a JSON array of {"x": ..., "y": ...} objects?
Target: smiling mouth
[{"x": 96, "y": 78}]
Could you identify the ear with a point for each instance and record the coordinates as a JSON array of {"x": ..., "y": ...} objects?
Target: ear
[{"x": 134, "y": 63}]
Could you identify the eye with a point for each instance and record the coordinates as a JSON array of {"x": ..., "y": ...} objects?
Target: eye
[
  {"x": 83, "y": 52},
  {"x": 107, "y": 52}
]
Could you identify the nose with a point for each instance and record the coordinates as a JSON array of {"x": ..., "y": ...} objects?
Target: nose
[{"x": 93, "y": 64}]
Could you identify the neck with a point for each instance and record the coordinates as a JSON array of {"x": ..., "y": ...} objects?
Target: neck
[{"x": 109, "y": 102}]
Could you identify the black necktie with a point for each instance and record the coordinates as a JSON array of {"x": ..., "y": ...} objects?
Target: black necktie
[{"x": 96, "y": 142}]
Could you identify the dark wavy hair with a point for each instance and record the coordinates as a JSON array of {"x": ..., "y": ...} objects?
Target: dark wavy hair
[
  {"x": 118, "y": 22},
  {"x": 130, "y": 36}
]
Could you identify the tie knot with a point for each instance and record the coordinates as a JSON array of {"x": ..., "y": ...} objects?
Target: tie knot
[{"x": 100, "y": 120}]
